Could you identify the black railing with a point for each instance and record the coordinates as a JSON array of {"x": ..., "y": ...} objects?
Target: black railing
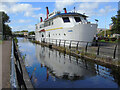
[
  {"x": 97, "y": 48},
  {"x": 18, "y": 68}
]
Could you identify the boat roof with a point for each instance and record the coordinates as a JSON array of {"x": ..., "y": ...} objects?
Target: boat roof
[{"x": 66, "y": 14}]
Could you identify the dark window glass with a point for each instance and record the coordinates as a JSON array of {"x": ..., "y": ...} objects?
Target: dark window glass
[
  {"x": 77, "y": 19},
  {"x": 65, "y": 19},
  {"x": 42, "y": 35}
]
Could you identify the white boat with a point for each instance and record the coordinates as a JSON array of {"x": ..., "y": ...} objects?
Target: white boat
[{"x": 67, "y": 26}]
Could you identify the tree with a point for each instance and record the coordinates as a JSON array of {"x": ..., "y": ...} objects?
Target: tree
[
  {"x": 24, "y": 31},
  {"x": 32, "y": 33},
  {"x": 116, "y": 24},
  {"x": 6, "y": 29}
]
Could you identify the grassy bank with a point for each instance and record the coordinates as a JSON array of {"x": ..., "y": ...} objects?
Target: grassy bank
[{"x": 0, "y": 41}]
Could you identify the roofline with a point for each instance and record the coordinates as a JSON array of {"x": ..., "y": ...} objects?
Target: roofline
[{"x": 66, "y": 14}]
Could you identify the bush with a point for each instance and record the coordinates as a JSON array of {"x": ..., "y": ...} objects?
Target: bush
[
  {"x": 113, "y": 39},
  {"x": 102, "y": 40},
  {"x": 106, "y": 39}
]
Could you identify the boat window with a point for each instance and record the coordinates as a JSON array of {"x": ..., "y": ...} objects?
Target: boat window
[
  {"x": 42, "y": 35},
  {"x": 77, "y": 19},
  {"x": 65, "y": 19}
]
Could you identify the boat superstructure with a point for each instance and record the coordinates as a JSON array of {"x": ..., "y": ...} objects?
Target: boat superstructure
[{"x": 68, "y": 26}]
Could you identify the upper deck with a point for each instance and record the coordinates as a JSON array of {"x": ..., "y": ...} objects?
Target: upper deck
[{"x": 63, "y": 20}]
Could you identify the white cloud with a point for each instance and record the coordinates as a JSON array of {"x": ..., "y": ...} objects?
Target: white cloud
[
  {"x": 106, "y": 10},
  {"x": 88, "y": 8},
  {"x": 15, "y": 8},
  {"x": 92, "y": 9},
  {"x": 63, "y": 4},
  {"x": 25, "y": 27},
  {"x": 23, "y": 21},
  {"x": 39, "y": 15}
]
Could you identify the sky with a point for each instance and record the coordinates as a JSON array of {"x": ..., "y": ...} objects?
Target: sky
[{"x": 24, "y": 15}]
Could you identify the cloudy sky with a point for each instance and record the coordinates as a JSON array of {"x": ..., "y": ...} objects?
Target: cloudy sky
[{"x": 24, "y": 15}]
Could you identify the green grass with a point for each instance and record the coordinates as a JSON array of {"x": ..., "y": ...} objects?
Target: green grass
[
  {"x": 0, "y": 41},
  {"x": 108, "y": 41}
]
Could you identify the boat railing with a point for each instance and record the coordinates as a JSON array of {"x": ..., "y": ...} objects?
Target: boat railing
[{"x": 109, "y": 50}]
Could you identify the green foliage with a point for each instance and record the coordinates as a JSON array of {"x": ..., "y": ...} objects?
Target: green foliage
[
  {"x": 24, "y": 31},
  {"x": 5, "y": 18},
  {"x": 108, "y": 32},
  {"x": 0, "y": 41},
  {"x": 6, "y": 29},
  {"x": 32, "y": 33},
  {"x": 16, "y": 40},
  {"x": 102, "y": 40},
  {"x": 116, "y": 23}
]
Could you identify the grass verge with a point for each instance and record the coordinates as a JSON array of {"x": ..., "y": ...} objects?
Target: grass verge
[{"x": 0, "y": 41}]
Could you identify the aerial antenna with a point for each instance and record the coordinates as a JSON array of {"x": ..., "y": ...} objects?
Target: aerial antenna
[{"x": 74, "y": 9}]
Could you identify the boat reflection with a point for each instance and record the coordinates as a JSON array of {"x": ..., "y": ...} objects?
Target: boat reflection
[{"x": 64, "y": 66}]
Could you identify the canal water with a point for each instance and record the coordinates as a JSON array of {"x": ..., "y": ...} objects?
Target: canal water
[{"x": 48, "y": 68}]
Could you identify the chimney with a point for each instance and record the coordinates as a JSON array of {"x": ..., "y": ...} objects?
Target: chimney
[
  {"x": 47, "y": 12},
  {"x": 41, "y": 19},
  {"x": 65, "y": 10}
]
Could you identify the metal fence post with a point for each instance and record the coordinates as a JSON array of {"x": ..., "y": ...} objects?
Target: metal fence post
[
  {"x": 86, "y": 47},
  {"x": 115, "y": 51},
  {"x": 64, "y": 43},
  {"x": 56, "y": 42},
  {"x": 59, "y": 43},
  {"x": 98, "y": 49},
  {"x": 70, "y": 45},
  {"x": 77, "y": 45}
]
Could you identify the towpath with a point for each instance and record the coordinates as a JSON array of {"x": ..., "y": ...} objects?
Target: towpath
[{"x": 6, "y": 58}]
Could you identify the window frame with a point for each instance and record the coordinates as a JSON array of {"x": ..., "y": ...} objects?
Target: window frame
[
  {"x": 63, "y": 18},
  {"x": 77, "y": 21}
]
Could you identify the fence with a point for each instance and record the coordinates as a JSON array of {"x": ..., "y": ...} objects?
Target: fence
[
  {"x": 18, "y": 68},
  {"x": 105, "y": 49}
]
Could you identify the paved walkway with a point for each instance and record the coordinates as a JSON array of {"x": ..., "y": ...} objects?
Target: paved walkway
[
  {"x": 6, "y": 58},
  {"x": 0, "y": 66}
]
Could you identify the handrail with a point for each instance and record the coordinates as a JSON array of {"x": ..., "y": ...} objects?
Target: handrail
[{"x": 84, "y": 44}]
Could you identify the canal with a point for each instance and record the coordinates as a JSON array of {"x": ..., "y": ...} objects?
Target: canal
[{"x": 48, "y": 68}]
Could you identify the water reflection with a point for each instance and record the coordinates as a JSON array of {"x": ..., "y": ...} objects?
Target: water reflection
[
  {"x": 62, "y": 66},
  {"x": 50, "y": 68}
]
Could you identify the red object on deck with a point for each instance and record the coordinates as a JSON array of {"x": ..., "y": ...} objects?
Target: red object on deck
[
  {"x": 41, "y": 19},
  {"x": 43, "y": 30},
  {"x": 65, "y": 10},
  {"x": 47, "y": 12}
]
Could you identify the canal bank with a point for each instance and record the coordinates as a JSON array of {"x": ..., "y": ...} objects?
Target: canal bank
[
  {"x": 105, "y": 61},
  {"x": 19, "y": 75},
  {"x": 49, "y": 68}
]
